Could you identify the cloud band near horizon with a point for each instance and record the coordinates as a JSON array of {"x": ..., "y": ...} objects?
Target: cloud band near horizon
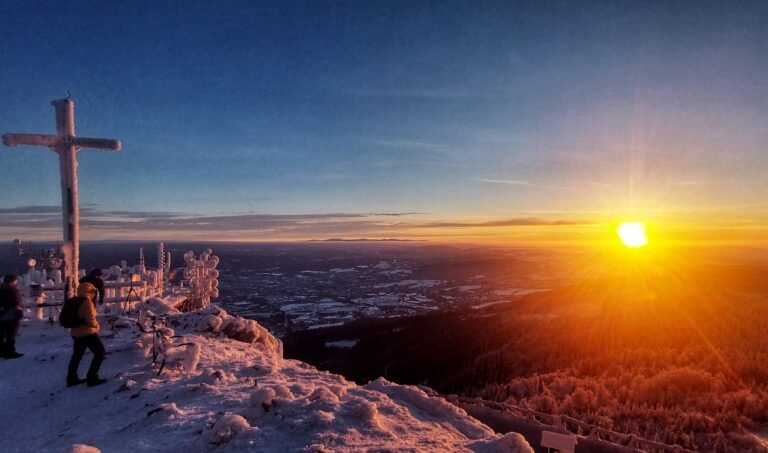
[{"x": 45, "y": 221}]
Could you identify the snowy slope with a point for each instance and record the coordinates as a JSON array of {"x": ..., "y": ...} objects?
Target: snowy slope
[{"x": 221, "y": 394}]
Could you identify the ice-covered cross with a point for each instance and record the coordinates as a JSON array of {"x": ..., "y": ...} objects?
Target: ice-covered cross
[{"x": 66, "y": 145}]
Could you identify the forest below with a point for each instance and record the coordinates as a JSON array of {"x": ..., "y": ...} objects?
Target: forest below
[{"x": 681, "y": 358}]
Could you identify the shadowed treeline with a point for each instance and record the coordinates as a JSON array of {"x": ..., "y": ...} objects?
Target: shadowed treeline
[{"x": 679, "y": 357}]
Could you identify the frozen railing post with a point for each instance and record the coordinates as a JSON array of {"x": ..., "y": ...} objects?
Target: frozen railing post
[
  {"x": 66, "y": 145},
  {"x": 161, "y": 274}
]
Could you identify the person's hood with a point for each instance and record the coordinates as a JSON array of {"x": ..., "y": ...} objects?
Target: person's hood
[{"x": 86, "y": 290}]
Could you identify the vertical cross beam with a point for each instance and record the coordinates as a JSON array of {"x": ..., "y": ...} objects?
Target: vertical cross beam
[{"x": 70, "y": 201}]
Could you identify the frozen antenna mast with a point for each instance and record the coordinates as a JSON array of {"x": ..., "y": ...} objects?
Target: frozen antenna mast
[{"x": 66, "y": 145}]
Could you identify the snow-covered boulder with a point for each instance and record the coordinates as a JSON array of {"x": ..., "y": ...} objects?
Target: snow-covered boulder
[
  {"x": 226, "y": 428},
  {"x": 207, "y": 319},
  {"x": 185, "y": 357},
  {"x": 216, "y": 320}
]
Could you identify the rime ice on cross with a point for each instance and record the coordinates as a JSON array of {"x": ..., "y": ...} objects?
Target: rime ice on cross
[{"x": 66, "y": 145}]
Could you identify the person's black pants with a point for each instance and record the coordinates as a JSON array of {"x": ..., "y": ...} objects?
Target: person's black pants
[
  {"x": 92, "y": 342},
  {"x": 8, "y": 332}
]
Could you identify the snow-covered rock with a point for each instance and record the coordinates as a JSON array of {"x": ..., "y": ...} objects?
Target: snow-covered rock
[
  {"x": 216, "y": 320},
  {"x": 159, "y": 306},
  {"x": 226, "y": 387},
  {"x": 227, "y": 427}
]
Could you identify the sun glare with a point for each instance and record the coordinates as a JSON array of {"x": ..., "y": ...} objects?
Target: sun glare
[{"x": 632, "y": 234}]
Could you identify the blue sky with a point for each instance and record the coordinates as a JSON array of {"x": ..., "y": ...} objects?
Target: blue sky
[{"x": 491, "y": 111}]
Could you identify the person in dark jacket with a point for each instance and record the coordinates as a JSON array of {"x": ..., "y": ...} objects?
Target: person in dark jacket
[
  {"x": 86, "y": 336},
  {"x": 11, "y": 313},
  {"x": 94, "y": 278}
]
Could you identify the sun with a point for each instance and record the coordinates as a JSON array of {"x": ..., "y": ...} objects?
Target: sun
[{"x": 632, "y": 234}]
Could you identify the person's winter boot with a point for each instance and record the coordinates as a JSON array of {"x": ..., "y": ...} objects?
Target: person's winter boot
[
  {"x": 13, "y": 355},
  {"x": 92, "y": 382},
  {"x": 71, "y": 382}
]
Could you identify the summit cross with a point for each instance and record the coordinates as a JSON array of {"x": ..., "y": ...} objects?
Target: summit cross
[{"x": 66, "y": 145}]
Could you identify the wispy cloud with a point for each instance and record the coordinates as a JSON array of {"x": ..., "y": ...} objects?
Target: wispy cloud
[
  {"x": 50, "y": 216},
  {"x": 525, "y": 221},
  {"x": 397, "y": 214},
  {"x": 321, "y": 177},
  {"x": 433, "y": 152},
  {"x": 31, "y": 210},
  {"x": 397, "y": 143},
  {"x": 415, "y": 93},
  {"x": 507, "y": 182},
  {"x": 693, "y": 183},
  {"x": 522, "y": 183},
  {"x": 137, "y": 214}
]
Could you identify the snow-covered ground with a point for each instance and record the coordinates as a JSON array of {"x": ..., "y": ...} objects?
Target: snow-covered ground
[{"x": 228, "y": 390}]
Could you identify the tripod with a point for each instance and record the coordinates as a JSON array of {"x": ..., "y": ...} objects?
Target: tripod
[{"x": 131, "y": 290}]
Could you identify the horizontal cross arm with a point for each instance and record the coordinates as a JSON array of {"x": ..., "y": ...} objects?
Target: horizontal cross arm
[
  {"x": 30, "y": 139},
  {"x": 98, "y": 143}
]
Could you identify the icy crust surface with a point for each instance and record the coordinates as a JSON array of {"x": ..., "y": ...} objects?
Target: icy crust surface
[{"x": 226, "y": 387}]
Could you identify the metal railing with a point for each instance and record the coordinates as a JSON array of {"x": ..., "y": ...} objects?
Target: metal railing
[{"x": 576, "y": 426}]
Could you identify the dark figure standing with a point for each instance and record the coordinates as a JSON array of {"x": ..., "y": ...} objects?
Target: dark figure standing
[
  {"x": 86, "y": 336},
  {"x": 11, "y": 313},
  {"x": 94, "y": 278}
]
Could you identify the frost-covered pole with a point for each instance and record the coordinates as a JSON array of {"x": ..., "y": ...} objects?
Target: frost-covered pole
[
  {"x": 70, "y": 201},
  {"x": 66, "y": 145},
  {"x": 160, "y": 268}
]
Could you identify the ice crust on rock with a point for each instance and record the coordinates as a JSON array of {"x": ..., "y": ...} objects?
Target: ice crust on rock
[{"x": 231, "y": 390}]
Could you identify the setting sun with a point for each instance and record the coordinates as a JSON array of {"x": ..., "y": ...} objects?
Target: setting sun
[{"x": 632, "y": 234}]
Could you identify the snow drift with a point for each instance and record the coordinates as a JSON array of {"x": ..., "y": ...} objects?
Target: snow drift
[{"x": 226, "y": 387}]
